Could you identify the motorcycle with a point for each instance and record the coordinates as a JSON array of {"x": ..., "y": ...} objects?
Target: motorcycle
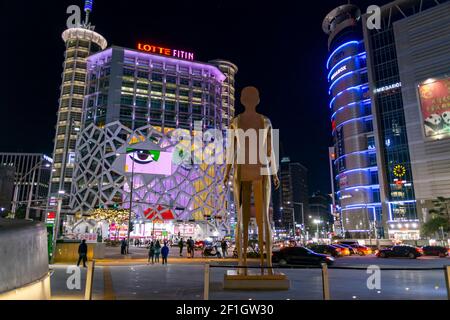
[{"x": 211, "y": 251}]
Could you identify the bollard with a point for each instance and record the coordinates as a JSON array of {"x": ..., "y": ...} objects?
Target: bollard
[
  {"x": 325, "y": 282},
  {"x": 206, "y": 283},
  {"x": 89, "y": 280},
  {"x": 447, "y": 280}
]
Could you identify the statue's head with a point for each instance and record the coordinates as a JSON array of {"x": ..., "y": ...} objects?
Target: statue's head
[{"x": 250, "y": 98}]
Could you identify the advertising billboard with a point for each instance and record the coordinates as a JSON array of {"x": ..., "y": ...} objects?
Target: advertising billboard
[
  {"x": 149, "y": 162},
  {"x": 434, "y": 96}
]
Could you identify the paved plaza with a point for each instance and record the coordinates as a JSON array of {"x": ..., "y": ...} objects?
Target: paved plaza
[{"x": 182, "y": 279}]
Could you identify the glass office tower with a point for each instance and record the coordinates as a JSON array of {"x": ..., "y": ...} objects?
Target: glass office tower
[{"x": 395, "y": 126}]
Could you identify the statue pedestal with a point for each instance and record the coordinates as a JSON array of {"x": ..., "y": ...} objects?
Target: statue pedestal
[{"x": 254, "y": 280}]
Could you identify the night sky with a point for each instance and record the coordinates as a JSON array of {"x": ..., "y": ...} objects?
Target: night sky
[{"x": 279, "y": 47}]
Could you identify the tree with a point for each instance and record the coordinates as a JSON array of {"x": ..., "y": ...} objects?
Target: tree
[
  {"x": 119, "y": 216},
  {"x": 440, "y": 217}
]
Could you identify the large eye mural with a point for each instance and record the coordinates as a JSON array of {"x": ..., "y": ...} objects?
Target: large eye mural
[
  {"x": 143, "y": 156},
  {"x": 148, "y": 161}
]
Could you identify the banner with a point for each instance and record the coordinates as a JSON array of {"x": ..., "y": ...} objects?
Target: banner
[{"x": 434, "y": 98}]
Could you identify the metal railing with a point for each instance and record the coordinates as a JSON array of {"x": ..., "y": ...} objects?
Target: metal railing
[{"x": 324, "y": 274}]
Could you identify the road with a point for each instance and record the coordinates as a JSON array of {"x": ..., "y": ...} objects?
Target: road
[{"x": 182, "y": 279}]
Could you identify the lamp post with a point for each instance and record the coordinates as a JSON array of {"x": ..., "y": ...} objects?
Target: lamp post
[
  {"x": 131, "y": 206},
  {"x": 317, "y": 222},
  {"x": 59, "y": 200},
  {"x": 303, "y": 214}
]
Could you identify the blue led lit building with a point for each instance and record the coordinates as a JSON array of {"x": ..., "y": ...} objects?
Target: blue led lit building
[
  {"x": 389, "y": 91},
  {"x": 355, "y": 166}
]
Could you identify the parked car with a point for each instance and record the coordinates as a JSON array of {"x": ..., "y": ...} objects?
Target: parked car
[
  {"x": 402, "y": 251},
  {"x": 327, "y": 249},
  {"x": 435, "y": 251},
  {"x": 351, "y": 250},
  {"x": 300, "y": 255},
  {"x": 360, "y": 250}
]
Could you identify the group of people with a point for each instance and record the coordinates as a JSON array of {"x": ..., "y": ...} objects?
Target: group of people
[
  {"x": 190, "y": 244},
  {"x": 190, "y": 247},
  {"x": 155, "y": 250}
]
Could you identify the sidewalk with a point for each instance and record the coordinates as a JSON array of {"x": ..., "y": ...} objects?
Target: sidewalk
[{"x": 139, "y": 256}]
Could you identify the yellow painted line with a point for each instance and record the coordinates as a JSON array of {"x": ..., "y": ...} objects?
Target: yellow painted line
[{"x": 108, "y": 290}]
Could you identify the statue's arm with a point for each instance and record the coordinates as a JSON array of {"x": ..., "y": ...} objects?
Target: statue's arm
[
  {"x": 271, "y": 156},
  {"x": 231, "y": 152}
]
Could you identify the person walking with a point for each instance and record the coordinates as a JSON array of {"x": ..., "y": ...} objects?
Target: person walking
[
  {"x": 157, "y": 251},
  {"x": 224, "y": 246},
  {"x": 123, "y": 247},
  {"x": 164, "y": 253},
  {"x": 181, "y": 245},
  {"x": 151, "y": 253},
  {"x": 82, "y": 253}
]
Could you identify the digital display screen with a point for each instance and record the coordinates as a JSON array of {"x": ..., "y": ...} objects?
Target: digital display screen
[{"x": 148, "y": 162}]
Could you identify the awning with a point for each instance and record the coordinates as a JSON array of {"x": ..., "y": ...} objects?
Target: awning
[{"x": 159, "y": 213}]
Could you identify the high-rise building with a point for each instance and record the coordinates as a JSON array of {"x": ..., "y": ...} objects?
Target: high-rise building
[
  {"x": 409, "y": 59},
  {"x": 319, "y": 209},
  {"x": 356, "y": 172},
  {"x": 31, "y": 179},
  {"x": 142, "y": 96},
  {"x": 401, "y": 157},
  {"x": 291, "y": 199},
  {"x": 80, "y": 42},
  {"x": 228, "y": 89}
]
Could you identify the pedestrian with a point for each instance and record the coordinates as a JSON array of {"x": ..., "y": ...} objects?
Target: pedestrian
[
  {"x": 164, "y": 253},
  {"x": 157, "y": 250},
  {"x": 123, "y": 246},
  {"x": 82, "y": 253},
  {"x": 151, "y": 253},
  {"x": 224, "y": 246},
  {"x": 188, "y": 248},
  {"x": 191, "y": 247},
  {"x": 181, "y": 244}
]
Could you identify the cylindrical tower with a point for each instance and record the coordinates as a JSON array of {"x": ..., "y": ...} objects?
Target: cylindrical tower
[
  {"x": 355, "y": 167},
  {"x": 80, "y": 42},
  {"x": 228, "y": 91}
]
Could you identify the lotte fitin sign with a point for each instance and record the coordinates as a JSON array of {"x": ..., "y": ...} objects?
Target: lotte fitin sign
[{"x": 165, "y": 51}]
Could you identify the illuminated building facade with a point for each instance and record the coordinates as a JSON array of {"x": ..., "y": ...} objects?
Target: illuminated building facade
[
  {"x": 80, "y": 42},
  {"x": 389, "y": 93},
  {"x": 291, "y": 199},
  {"x": 228, "y": 89},
  {"x": 135, "y": 97},
  {"x": 355, "y": 164},
  {"x": 409, "y": 59}
]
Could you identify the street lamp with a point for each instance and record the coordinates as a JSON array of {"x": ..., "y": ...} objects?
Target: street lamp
[
  {"x": 59, "y": 200},
  {"x": 131, "y": 200},
  {"x": 317, "y": 222}
]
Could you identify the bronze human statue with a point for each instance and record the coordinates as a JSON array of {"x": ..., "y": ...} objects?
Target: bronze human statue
[{"x": 249, "y": 175}]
